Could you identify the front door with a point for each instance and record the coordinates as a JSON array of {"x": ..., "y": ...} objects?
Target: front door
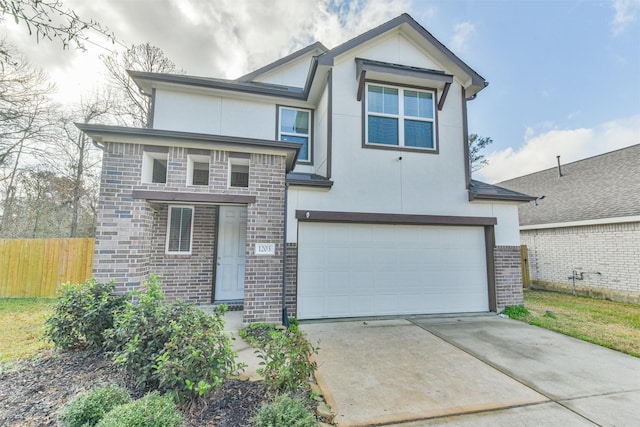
[{"x": 232, "y": 238}]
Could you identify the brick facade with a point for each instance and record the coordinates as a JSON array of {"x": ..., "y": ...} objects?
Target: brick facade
[
  {"x": 131, "y": 233},
  {"x": 507, "y": 263},
  {"x": 292, "y": 279},
  {"x": 613, "y": 250}
]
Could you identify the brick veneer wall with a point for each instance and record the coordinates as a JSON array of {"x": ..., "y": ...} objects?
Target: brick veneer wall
[
  {"x": 291, "y": 296},
  {"x": 508, "y": 273},
  {"x": 613, "y": 250},
  {"x": 188, "y": 277},
  {"x": 129, "y": 236}
]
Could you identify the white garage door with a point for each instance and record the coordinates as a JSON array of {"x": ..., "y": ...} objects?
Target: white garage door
[{"x": 349, "y": 270}]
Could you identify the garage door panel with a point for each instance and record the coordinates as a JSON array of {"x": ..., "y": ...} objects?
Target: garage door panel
[{"x": 349, "y": 270}]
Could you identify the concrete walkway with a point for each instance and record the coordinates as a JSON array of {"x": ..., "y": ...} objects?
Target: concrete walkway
[{"x": 470, "y": 371}]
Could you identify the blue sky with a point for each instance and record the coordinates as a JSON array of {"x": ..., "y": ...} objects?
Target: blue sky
[{"x": 564, "y": 75}]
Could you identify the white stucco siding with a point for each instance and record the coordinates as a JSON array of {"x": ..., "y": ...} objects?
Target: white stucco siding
[
  {"x": 320, "y": 134},
  {"x": 294, "y": 74},
  {"x": 376, "y": 180},
  {"x": 190, "y": 112}
]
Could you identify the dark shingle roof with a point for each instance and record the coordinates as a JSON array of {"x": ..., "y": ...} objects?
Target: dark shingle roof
[
  {"x": 479, "y": 190},
  {"x": 604, "y": 186}
]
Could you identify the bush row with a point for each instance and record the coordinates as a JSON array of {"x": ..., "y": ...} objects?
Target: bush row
[{"x": 174, "y": 348}]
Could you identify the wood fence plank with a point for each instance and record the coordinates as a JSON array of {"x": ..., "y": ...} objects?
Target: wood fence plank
[{"x": 36, "y": 267}]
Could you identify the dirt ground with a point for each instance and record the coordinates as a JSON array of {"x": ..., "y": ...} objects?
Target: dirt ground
[{"x": 32, "y": 392}]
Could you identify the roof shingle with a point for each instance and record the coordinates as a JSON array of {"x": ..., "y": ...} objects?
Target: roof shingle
[{"x": 604, "y": 186}]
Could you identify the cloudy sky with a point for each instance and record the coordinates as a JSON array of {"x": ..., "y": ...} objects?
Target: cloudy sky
[{"x": 564, "y": 75}]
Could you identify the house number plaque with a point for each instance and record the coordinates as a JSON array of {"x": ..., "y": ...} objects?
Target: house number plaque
[{"x": 265, "y": 249}]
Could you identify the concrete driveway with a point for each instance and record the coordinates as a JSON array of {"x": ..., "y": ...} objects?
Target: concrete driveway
[{"x": 470, "y": 371}]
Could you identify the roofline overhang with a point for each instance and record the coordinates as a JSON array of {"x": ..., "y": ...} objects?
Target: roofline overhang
[
  {"x": 282, "y": 61},
  {"x": 582, "y": 223},
  {"x": 501, "y": 198},
  {"x": 474, "y": 83},
  {"x": 105, "y": 133},
  {"x": 147, "y": 81}
]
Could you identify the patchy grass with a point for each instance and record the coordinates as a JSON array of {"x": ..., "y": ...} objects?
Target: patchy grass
[
  {"x": 610, "y": 324},
  {"x": 22, "y": 323}
]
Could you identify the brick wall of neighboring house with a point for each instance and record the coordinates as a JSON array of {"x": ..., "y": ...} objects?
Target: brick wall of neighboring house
[
  {"x": 508, "y": 273},
  {"x": 129, "y": 242},
  {"x": 611, "y": 250},
  {"x": 187, "y": 277}
]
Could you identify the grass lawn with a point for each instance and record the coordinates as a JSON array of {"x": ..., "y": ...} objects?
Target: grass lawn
[
  {"x": 22, "y": 325},
  {"x": 610, "y": 324}
]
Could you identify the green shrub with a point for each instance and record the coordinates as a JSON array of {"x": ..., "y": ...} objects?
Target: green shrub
[
  {"x": 82, "y": 314},
  {"x": 284, "y": 411},
  {"x": 152, "y": 410},
  {"x": 87, "y": 409},
  {"x": 198, "y": 357},
  {"x": 171, "y": 347},
  {"x": 516, "y": 311},
  {"x": 286, "y": 363}
]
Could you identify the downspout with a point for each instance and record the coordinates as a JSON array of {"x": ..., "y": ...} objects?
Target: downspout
[{"x": 285, "y": 316}]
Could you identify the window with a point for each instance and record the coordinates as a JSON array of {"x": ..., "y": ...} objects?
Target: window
[
  {"x": 179, "y": 229},
  {"x": 238, "y": 172},
  {"x": 400, "y": 117},
  {"x": 154, "y": 167},
  {"x": 295, "y": 126},
  {"x": 198, "y": 170}
]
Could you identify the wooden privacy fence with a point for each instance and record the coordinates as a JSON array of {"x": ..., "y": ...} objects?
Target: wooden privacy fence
[{"x": 36, "y": 267}]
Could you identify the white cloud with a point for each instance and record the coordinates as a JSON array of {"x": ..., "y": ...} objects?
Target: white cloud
[
  {"x": 626, "y": 13},
  {"x": 225, "y": 38},
  {"x": 461, "y": 33},
  {"x": 540, "y": 150}
]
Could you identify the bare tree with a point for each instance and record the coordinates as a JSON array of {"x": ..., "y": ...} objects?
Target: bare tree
[
  {"x": 145, "y": 57},
  {"x": 78, "y": 160},
  {"x": 49, "y": 19},
  {"x": 25, "y": 121}
]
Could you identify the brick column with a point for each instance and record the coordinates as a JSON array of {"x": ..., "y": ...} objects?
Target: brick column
[{"x": 508, "y": 276}]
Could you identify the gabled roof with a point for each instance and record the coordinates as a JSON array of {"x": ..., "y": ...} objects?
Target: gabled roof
[
  {"x": 482, "y": 191},
  {"x": 475, "y": 82},
  {"x": 601, "y": 187},
  {"x": 320, "y": 65},
  {"x": 317, "y": 46}
]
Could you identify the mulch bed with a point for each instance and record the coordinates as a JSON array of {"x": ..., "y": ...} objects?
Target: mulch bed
[{"x": 32, "y": 392}]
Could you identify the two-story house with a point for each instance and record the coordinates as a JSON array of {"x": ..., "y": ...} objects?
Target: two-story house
[{"x": 332, "y": 182}]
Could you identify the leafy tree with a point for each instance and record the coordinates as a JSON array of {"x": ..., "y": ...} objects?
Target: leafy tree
[
  {"x": 135, "y": 106},
  {"x": 477, "y": 144},
  {"x": 49, "y": 19}
]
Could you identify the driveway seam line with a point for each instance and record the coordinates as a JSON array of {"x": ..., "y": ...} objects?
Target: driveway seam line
[
  {"x": 457, "y": 414},
  {"x": 503, "y": 371}
]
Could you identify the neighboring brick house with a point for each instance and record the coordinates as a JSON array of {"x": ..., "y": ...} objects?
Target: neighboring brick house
[
  {"x": 586, "y": 229},
  {"x": 346, "y": 168}
]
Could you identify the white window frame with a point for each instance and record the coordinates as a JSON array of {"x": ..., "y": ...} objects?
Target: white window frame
[
  {"x": 191, "y": 160},
  {"x": 237, "y": 161},
  {"x": 147, "y": 166},
  {"x": 307, "y": 135},
  {"x": 401, "y": 117},
  {"x": 169, "y": 252}
]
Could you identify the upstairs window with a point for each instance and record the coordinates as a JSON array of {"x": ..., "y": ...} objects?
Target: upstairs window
[
  {"x": 154, "y": 167},
  {"x": 198, "y": 170},
  {"x": 400, "y": 117},
  {"x": 238, "y": 172},
  {"x": 295, "y": 126},
  {"x": 179, "y": 230}
]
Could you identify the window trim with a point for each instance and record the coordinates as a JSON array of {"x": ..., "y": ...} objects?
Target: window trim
[
  {"x": 166, "y": 248},
  {"x": 192, "y": 159},
  {"x": 401, "y": 88},
  {"x": 279, "y": 109},
  {"x": 148, "y": 158}
]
